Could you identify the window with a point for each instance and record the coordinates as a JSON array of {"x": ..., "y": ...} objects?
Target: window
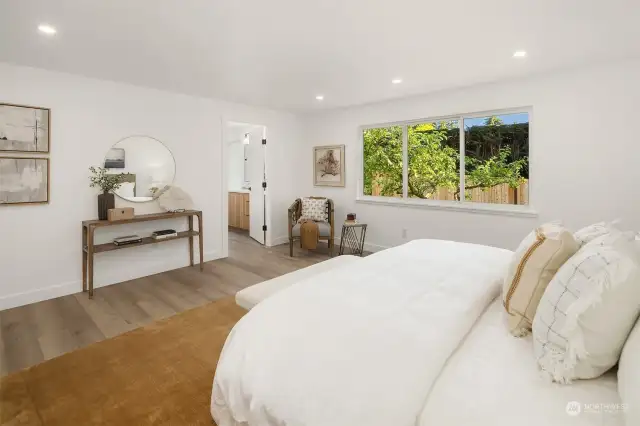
[
  {"x": 383, "y": 161},
  {"x": 497, "y": 159},
  {"x": 433, "y": 151},
  {"x": 484, "y": 157}
]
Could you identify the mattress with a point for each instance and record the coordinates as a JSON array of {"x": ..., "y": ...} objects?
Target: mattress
[{"x": 492, "y": 379}]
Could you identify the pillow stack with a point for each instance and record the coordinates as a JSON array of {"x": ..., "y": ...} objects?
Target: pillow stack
[{"x": 589, "y": 305}]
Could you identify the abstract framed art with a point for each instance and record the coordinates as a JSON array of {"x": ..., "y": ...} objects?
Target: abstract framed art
[
  {"x": 24, "y": 180},
  {"x": 25, "y": 129},
  {"x": 328, "y": 165}
]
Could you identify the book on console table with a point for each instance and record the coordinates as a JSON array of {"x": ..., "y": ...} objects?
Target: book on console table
[
  {"x": 129, "y": 239},
  {"x": 165, "y": 233}
]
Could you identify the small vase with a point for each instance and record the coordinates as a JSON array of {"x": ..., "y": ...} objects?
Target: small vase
[{"x": 106, "y": 201}]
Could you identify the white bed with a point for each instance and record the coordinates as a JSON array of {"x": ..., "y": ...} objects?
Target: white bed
[
  {"x": 394, "y": 339},
  {"x": 493, "y": 376}
]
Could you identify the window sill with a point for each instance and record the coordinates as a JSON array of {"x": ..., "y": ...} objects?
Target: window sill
[{"x": 468, "y": 207}]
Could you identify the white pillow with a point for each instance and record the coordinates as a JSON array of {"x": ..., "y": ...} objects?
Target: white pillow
[
  {"x": 629, "y": 377},
  {"x": 588, "y": 309},
  {"x": 588, "y": 233},
  {"x": 314, "y": 209}
]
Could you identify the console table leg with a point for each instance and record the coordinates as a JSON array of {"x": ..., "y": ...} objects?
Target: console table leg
[
  {"x": 190, "y": 218},
  {"x": 90, "y": 232},
  {"x": 201, "y": 241},
  {"x": 84, "y": 259}
]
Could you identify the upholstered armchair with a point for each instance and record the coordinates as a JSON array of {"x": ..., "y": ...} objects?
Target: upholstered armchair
[{"x": 325, "y": 230}]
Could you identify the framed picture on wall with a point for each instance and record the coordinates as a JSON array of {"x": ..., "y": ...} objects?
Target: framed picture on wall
[
  {"x": 328, "y": 165},
  {"x": 24, "y": 129},
  {"x": 24, "y": 180}
]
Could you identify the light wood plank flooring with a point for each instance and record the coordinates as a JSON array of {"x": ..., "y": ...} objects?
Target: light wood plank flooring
[{"x": 34, "y": 333}]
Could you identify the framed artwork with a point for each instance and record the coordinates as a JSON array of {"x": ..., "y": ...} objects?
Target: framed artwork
[
  {"x": 114, "y": 159},
  {"x": 24, "y": 129},
  {"x": 24, "y": 180},
  {"x": 328, "y": 165}
]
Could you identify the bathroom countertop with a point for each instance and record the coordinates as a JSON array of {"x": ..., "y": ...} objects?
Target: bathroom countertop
[{"x": 240, "y": 190}]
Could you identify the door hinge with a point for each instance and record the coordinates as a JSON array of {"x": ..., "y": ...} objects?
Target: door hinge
[
  {"x": 264, "y": 185},
  {"x": 264, "y": 141},
  {"x": 264, "y": 227}
]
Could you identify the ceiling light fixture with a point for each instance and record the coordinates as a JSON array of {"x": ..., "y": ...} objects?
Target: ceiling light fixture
[
  {"x": 47, "y": 29},
  {"x": 519, "y": 54},
  {"x": 396, "y": 81},
  {"x": 319, "y": 97}
]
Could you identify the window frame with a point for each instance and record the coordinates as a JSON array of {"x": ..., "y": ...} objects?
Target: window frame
[{"x": 462, "y": 205}]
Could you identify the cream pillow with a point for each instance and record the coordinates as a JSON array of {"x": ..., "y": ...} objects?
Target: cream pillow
[
  {"x": 533, "y": 265},
  {"x": 588, "y": 309}
]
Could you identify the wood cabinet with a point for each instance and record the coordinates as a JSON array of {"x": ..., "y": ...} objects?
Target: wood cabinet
[{"x": 239, "y": 209}]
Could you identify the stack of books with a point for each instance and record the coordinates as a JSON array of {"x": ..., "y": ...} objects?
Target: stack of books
[
  {"x": 165, "y": 233},
  {"x": 129, "y": 239}
]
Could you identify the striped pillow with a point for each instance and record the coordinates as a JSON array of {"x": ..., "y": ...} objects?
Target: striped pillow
[
  {"x": 589, "y": 309},
  {"x": 535, "y": 262}
]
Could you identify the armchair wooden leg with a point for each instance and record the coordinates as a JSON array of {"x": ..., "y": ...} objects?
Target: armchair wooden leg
[{"x": 291, "y": 247}]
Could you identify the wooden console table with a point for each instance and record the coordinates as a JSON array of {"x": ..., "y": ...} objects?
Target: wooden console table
[{"x": 89, "y": 249}]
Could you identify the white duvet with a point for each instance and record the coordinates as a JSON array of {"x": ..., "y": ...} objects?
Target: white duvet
[{"x": 358, "y": 346}]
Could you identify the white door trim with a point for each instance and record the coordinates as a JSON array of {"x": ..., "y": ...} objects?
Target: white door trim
[{"x": 224, "y": 170}]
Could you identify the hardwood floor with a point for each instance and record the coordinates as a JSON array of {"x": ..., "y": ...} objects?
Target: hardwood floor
[{"x": 41, "y": 331}]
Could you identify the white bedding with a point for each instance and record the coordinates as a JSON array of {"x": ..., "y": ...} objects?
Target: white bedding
[
  {"x": 493, "y": 379},
  {"x": 358, "y": 346}
]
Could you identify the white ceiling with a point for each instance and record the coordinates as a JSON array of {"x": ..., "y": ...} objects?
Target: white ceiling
[{"x": 282, "y": 53}]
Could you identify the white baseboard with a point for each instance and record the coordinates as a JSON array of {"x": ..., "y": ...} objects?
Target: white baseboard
[
  {"x": 367, "y": 246},
  {"x": 373, "y": 247},
  {"x": 38, "y": 295},
  {"x": 279, "y": 240},
  {"x": 103, "y": 280}
]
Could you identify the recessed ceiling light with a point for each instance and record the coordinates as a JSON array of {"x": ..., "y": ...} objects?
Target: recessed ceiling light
[
  {"x": 47, "y": 29},
  {"x": 396, "y": 81},
  {"x": 319, "y": 97},
  {"x": 519, "y": 54}
]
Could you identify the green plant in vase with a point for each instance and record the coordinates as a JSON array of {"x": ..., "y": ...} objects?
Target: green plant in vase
[{"x": 108, "y": 183}]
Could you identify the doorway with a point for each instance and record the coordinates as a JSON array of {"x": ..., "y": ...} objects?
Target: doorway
[{"x": 246, "y": 178}]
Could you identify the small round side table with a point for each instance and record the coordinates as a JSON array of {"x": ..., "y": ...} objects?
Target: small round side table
[{"x": 352, "y": 239}]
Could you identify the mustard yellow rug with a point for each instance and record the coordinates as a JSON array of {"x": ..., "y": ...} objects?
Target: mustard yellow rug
[{"x": 160, "y": 374}]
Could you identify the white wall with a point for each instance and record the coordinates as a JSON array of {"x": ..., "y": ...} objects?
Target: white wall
[
  {"x": 584, "y": 155},
  {"x": 40, "y": 246},
  {"x": 236, "y": 166}
]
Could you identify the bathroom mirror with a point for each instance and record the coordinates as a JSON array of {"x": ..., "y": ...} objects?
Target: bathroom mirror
[{"x": 150, "y": 165}]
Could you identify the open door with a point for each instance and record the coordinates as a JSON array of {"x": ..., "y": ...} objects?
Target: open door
[{"x": 256, "y": 173}]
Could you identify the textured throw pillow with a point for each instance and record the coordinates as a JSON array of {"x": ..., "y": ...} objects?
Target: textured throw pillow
[
  {"x": 629, "y": 376},
  {"x": 588, "y": 233},
  {"x": 534, "y": 263},
  {"x": 588, "y": 309},
  {"x": 314, "y": 209}
]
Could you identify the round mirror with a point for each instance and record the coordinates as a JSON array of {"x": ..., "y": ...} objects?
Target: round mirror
[{"x": 148, "y": 165}]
